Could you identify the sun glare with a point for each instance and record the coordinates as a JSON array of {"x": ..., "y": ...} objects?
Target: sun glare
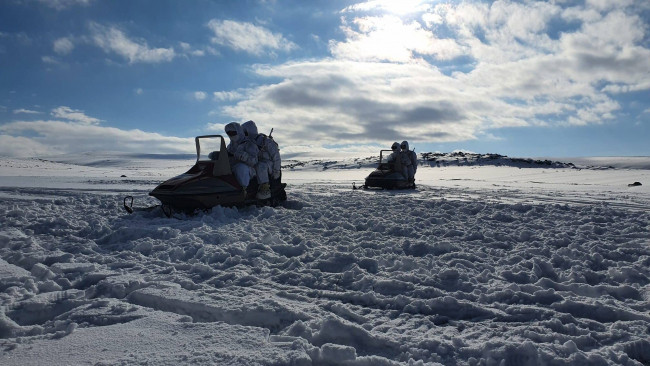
[{"x": 400, "y": 7}]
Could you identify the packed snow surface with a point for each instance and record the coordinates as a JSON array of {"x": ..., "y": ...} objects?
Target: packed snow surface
[{"x": 490, "y": 261}]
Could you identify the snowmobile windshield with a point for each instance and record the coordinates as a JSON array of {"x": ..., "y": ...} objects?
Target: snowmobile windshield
[{"x": 209, "y": 148}]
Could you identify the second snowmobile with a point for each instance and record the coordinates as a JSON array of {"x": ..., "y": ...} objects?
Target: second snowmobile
[{"x": 388, "y": 175}]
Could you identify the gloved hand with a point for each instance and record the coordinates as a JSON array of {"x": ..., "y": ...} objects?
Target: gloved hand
[{"x": 241, "y": 155}]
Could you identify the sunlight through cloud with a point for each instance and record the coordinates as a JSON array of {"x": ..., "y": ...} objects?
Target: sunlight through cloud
[{"x": 397, "y": 7}]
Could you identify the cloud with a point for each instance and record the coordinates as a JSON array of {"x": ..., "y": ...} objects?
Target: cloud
[
  {"x": 401, "y": 7},
  {"x": 74, "y": 115},
  {"x": 229, "y": 95},
  {"x": 315, "y": 151},
  {"x": 62, "y": 4},
  {"x": 34, "y": 138},
  {"x": 25, "y": 111},
  {"x": 388, "y": 38},
  {"x": 344, "y": 101},
  {"x": 63, "y": 46},
  {"x": 50, "y": 60},
  {"x": 247, "y": 37},
  {"x": 605, "y": 5},
  {"x": 504, "y": 64},
  {"x": 113, "y": 40},
  {"x": 199, "y": 95},
  {"x": 20, "y": 146},
  {"x": 187, "y": 49}
]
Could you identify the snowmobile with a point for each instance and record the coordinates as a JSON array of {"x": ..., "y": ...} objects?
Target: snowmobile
[
  {"x": 388, "y": 175},
  {"x": 210, "y": 182}
]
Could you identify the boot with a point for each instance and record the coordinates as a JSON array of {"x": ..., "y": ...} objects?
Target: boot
[{"x": 264, "y": 192}]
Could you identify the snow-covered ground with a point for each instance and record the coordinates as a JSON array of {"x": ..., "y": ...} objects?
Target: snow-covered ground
[{"x": 489, "y": 262}]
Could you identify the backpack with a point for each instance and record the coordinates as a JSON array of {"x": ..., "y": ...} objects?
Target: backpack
[{"x": 269, "y": 150}]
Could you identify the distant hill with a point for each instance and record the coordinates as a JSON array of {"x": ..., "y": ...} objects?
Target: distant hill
[{"x": 431, "y": 159}]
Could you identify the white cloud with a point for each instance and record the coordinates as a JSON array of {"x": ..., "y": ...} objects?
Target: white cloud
[
  {"x": 400, "y": 7},
  {"x": 34, "y": 138},
  {"x": 229, "y": 95},
  {"x": 62, "y": 4},
  {"x": 503, "y": 31},
  {"x": 388, "y": 38},
  {"x": 20, "y": 146},
  {"x": 138, "y": 91},
  {"x": 522, "y": 72},
  {"x": 113, "y": 40},
  {"x": 185, "y": 46},
  {"x": 199, "y": 95},
  {"x": 25, "y": 111},
  {"x": 187, "y": 49},
  {"x": 74, "y": 115},
  {"x": 63, "y": 46},
  {"x": 343, "y": 101},
  {"x": 247, "y": 37},
  {"x": 606, "y": 5},
  {"x": 315, "y": 151},
  {"x": 212, "y": 51},
  {"x": 50, "y": 60}
]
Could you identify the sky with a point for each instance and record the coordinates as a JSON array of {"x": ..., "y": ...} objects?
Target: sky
[{"x": 332, "y": 78}]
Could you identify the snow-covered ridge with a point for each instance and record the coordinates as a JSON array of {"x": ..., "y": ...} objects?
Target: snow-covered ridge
[{"x": 459, "y": 158}]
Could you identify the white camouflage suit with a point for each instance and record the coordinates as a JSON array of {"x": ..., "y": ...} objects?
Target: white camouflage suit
[
  {"x": 395, "y": 155},
  {"x": 410, "y": 160},
  {"x": 244, "y": 154},
  {"x": 269, "y": 162}
]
